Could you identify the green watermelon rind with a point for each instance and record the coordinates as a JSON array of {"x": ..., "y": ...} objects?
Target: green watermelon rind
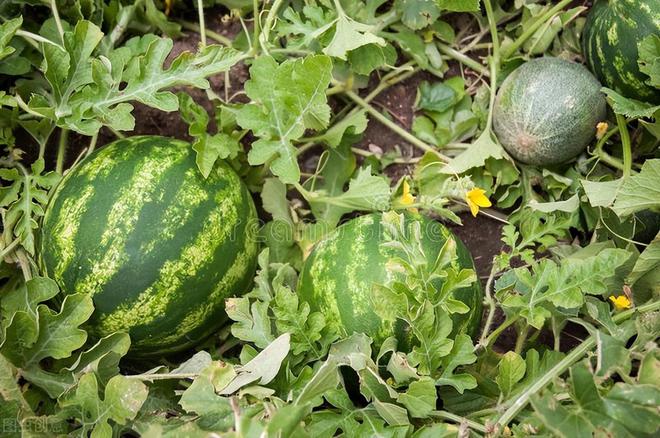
[
  {"x": 612, "y": 32},
  {"x": 338, "y": 276},
  {"x": 156, "y": 246}
]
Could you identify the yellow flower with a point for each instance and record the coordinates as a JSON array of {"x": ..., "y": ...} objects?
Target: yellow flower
[
  {"x": 601, "y": 129},
  {"x": 407, "y": 198},
  {"x": 475, "y": 198},
  {"x": 168, "y": 6},
  {"x": 621, "y": 302}
]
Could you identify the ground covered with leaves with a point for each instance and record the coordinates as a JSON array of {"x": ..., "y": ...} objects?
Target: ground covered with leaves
[{"x": 329, "y": 109}]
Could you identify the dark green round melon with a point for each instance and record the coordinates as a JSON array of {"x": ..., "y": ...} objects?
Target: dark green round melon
[
  {"x": 611, "y": 34},
  {"x": 339, "y": 275},
  {"x": 156, "y": 246},
  {"x": 547, "y": 110}
]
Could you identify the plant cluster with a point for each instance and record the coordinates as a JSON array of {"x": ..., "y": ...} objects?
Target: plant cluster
[{"x": 568, "y": 342}]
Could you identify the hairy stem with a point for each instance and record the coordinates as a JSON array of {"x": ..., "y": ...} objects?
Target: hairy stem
[
  {"x": 498, "y": 331},
  {"x": 531, "y": 29},
  {"x": 463, "y": 59},
  {"x": 61, "y": 150},
  {"x": 268, "y": 24},
  {"x": 521, "y": 400},
  {"x": 202, "y": 26},
  {"x": 490, "y": 302},
  {"x": 625, "y": 144},
  {"x": 458, "y": 419},
  {"x": 394, "y": 127},
  {"x": 494, "y": 61},
  {"x": 209, "y": 33},
  {"x": 56, "y": 17}
]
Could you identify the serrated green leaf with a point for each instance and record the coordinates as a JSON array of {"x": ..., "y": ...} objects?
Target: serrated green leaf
[
  {"x": 349, "y": 35},
  {"x": 201, "y": 396},
  {"x": 639, "y": 192},
  {"x": 366, "y": 192},
  {"x": 263, "y": 368},
  {"x": 7, "y": 31},
  {"x": 475, "y": 155},
  {"x": 649, "y": 59},
  {"x": 286, "y": 99},
  {"x": 511, "y": 370},
  {"x": 123, "y": 398},
  {"x": 631, "y": 108},
  {"x": 420, "y": 398}
]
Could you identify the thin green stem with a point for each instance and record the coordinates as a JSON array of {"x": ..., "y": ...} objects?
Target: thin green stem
[
  {"x": 92, "y": 144},
  {"x": 209, "y": 33},
  {"x": 117, "y": 134},
  {"x": 35, "y": 39},
  {"x": 490, "y": 302},
  {"x": 531, "y": 29},
  {"x": 24, "y": 106},
  {"x": 625, "y": 144},
  {"x": 202, "y": 25},
  {"x": 268, "y": 24},
  {"x": 494, "y": 61},
  {"x": 394, "y": 127},
  {"x": 164, "y": 376},
  {"x": 522, "y": 337},
  {"x": 121, "y": 26},
  {"x": 256, "y": 28},
  {"x": 498, "y": 331},
  {"x": 61, "y": 150},
  {"x": 56, "y": 17},
  {"x": 458, "y": 419},
  {"x": 7, "y": 249},
  {"x": 608, "y": 159},
  {"x": 463, "y": 59},
  {"x": 364, "y": 153},
  {"x": 521, "y": 400}
]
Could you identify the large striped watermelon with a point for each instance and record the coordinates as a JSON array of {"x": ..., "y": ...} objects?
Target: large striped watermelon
[
  {"x": 157, "y": 246},
  {"x": 338, "y": 276},
  {"x": 611, "y": 34}
]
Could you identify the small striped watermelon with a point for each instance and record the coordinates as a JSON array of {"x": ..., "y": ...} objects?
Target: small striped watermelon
[
  {"x": 338, "y": 276},
  {"x": 157, "y": 246},
  {"x": 611, "y": 34}
]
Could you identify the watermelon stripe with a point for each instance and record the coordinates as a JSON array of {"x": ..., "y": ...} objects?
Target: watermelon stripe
[
  {"x": 65, "y": 232},
  {"x": 156, "y": 245},
  {"x": 207, "y": 311},
  {"x": 337, "y": 278},
  {"x": 154, "y": 301},
  {"x": 124, "y": 211},
  {"x": 610, "y": 37},
  {"x": 145, "y": 267}
]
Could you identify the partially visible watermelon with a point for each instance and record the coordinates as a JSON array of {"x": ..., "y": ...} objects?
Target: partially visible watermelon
[
  {"x": 156, "y": 246},
  {"x": 612, "y": 32},
  {"x": 338, "y": 276}
]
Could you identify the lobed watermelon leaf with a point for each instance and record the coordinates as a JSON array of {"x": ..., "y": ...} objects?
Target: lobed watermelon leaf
[{"x": 287, "y": 99}]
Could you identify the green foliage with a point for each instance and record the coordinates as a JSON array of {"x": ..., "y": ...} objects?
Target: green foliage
[
  {"x": 317, "y": 116},
  {"x": 24, "y": 199},
  {"x": 87, "y": 92},
  {"x": 547, "y": 288},
  {"x": 287, "y": 99}
]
